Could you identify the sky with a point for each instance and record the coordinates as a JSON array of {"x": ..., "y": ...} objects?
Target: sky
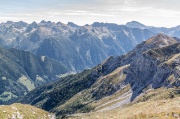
[{"x": 161, "y": 13}]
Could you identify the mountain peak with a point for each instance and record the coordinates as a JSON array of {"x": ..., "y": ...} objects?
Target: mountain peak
[
  {"x": 161, "y": 40},
  {"x": 34, "y": 23},
  {"x": 9, "y": 22},
  {"x": 43, "y": 21},
  {"x": 101, "y": 24},
  {"x": 72, "y": 24},
  {"x": 98, "y": 24},
  {"x": 161, "y": 36},
  {"x": 60, "y": 23},
  {"x": 135, "y": 24}
]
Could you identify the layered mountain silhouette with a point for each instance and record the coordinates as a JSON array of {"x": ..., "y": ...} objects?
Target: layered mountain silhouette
[
  {"x": 117, "y": 81},
  {"x": 83, "y": 46},
  {"x": 174, "y": 31}
]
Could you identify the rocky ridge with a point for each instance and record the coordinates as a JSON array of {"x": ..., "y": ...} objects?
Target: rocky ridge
[{"x": 117, "y": 81}]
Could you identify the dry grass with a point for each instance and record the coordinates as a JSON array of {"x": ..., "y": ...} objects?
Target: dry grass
[
  {"x": 158, "y": 105},
  {"x": 85, "y": 97},
  {"x": 157, "y": 94},
  {"x": 160, "y": 38},
  {"x": 172, "y": 59},
  {"x": 162, "y": 109},
  {"x": 110, "y": 100},
  {"x": 20, "y": 111}
]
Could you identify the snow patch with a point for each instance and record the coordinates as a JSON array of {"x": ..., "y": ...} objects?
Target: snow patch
[
  {"x": 78, "y": 49},
  {"x": 43, "y": 58},
  {"x": 88, "y": 55},
  {"x": 39, "y": 78},
  {"x": 4, "y": 78},
  {"x": 125, "y": 32}
]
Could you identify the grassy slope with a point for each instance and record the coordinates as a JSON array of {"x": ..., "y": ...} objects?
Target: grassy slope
[
  {"x": 155, "y": 104},
  {"x": 85, "y": 98},
  {"x": 107, "y": 84},
  {"x": 20, "y": 111}
]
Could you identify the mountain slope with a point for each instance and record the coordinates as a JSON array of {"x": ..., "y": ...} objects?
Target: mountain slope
[
  {"x": 19, "y": 111},
  {"x": 135, "y": 24},
  {"x": 85, "y": 46},
  {"x": 22, "y": 71},
  {"x": 161, "y": 108},
  {"x": 152, "y": 64},
  {"x": 174, "y": 31}
]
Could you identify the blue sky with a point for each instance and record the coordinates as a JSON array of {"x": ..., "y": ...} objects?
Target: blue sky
[{"x": 150, "y": 12}]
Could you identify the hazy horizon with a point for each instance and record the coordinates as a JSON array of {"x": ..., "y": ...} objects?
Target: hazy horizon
[{"x": 161, "y": 13}]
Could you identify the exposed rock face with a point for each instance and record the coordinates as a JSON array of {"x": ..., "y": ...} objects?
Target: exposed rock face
[
  {"x": 149, "y": 63},
  {"x": 152, "y": 64}
]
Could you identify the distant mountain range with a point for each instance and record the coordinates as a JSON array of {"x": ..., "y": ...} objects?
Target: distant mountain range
[
  {"x": 153, "y": 64},
  {"x": 174, "y": 31},
  {"x": 22, "y": 71},
  {"x": 77, "y": 47}
]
